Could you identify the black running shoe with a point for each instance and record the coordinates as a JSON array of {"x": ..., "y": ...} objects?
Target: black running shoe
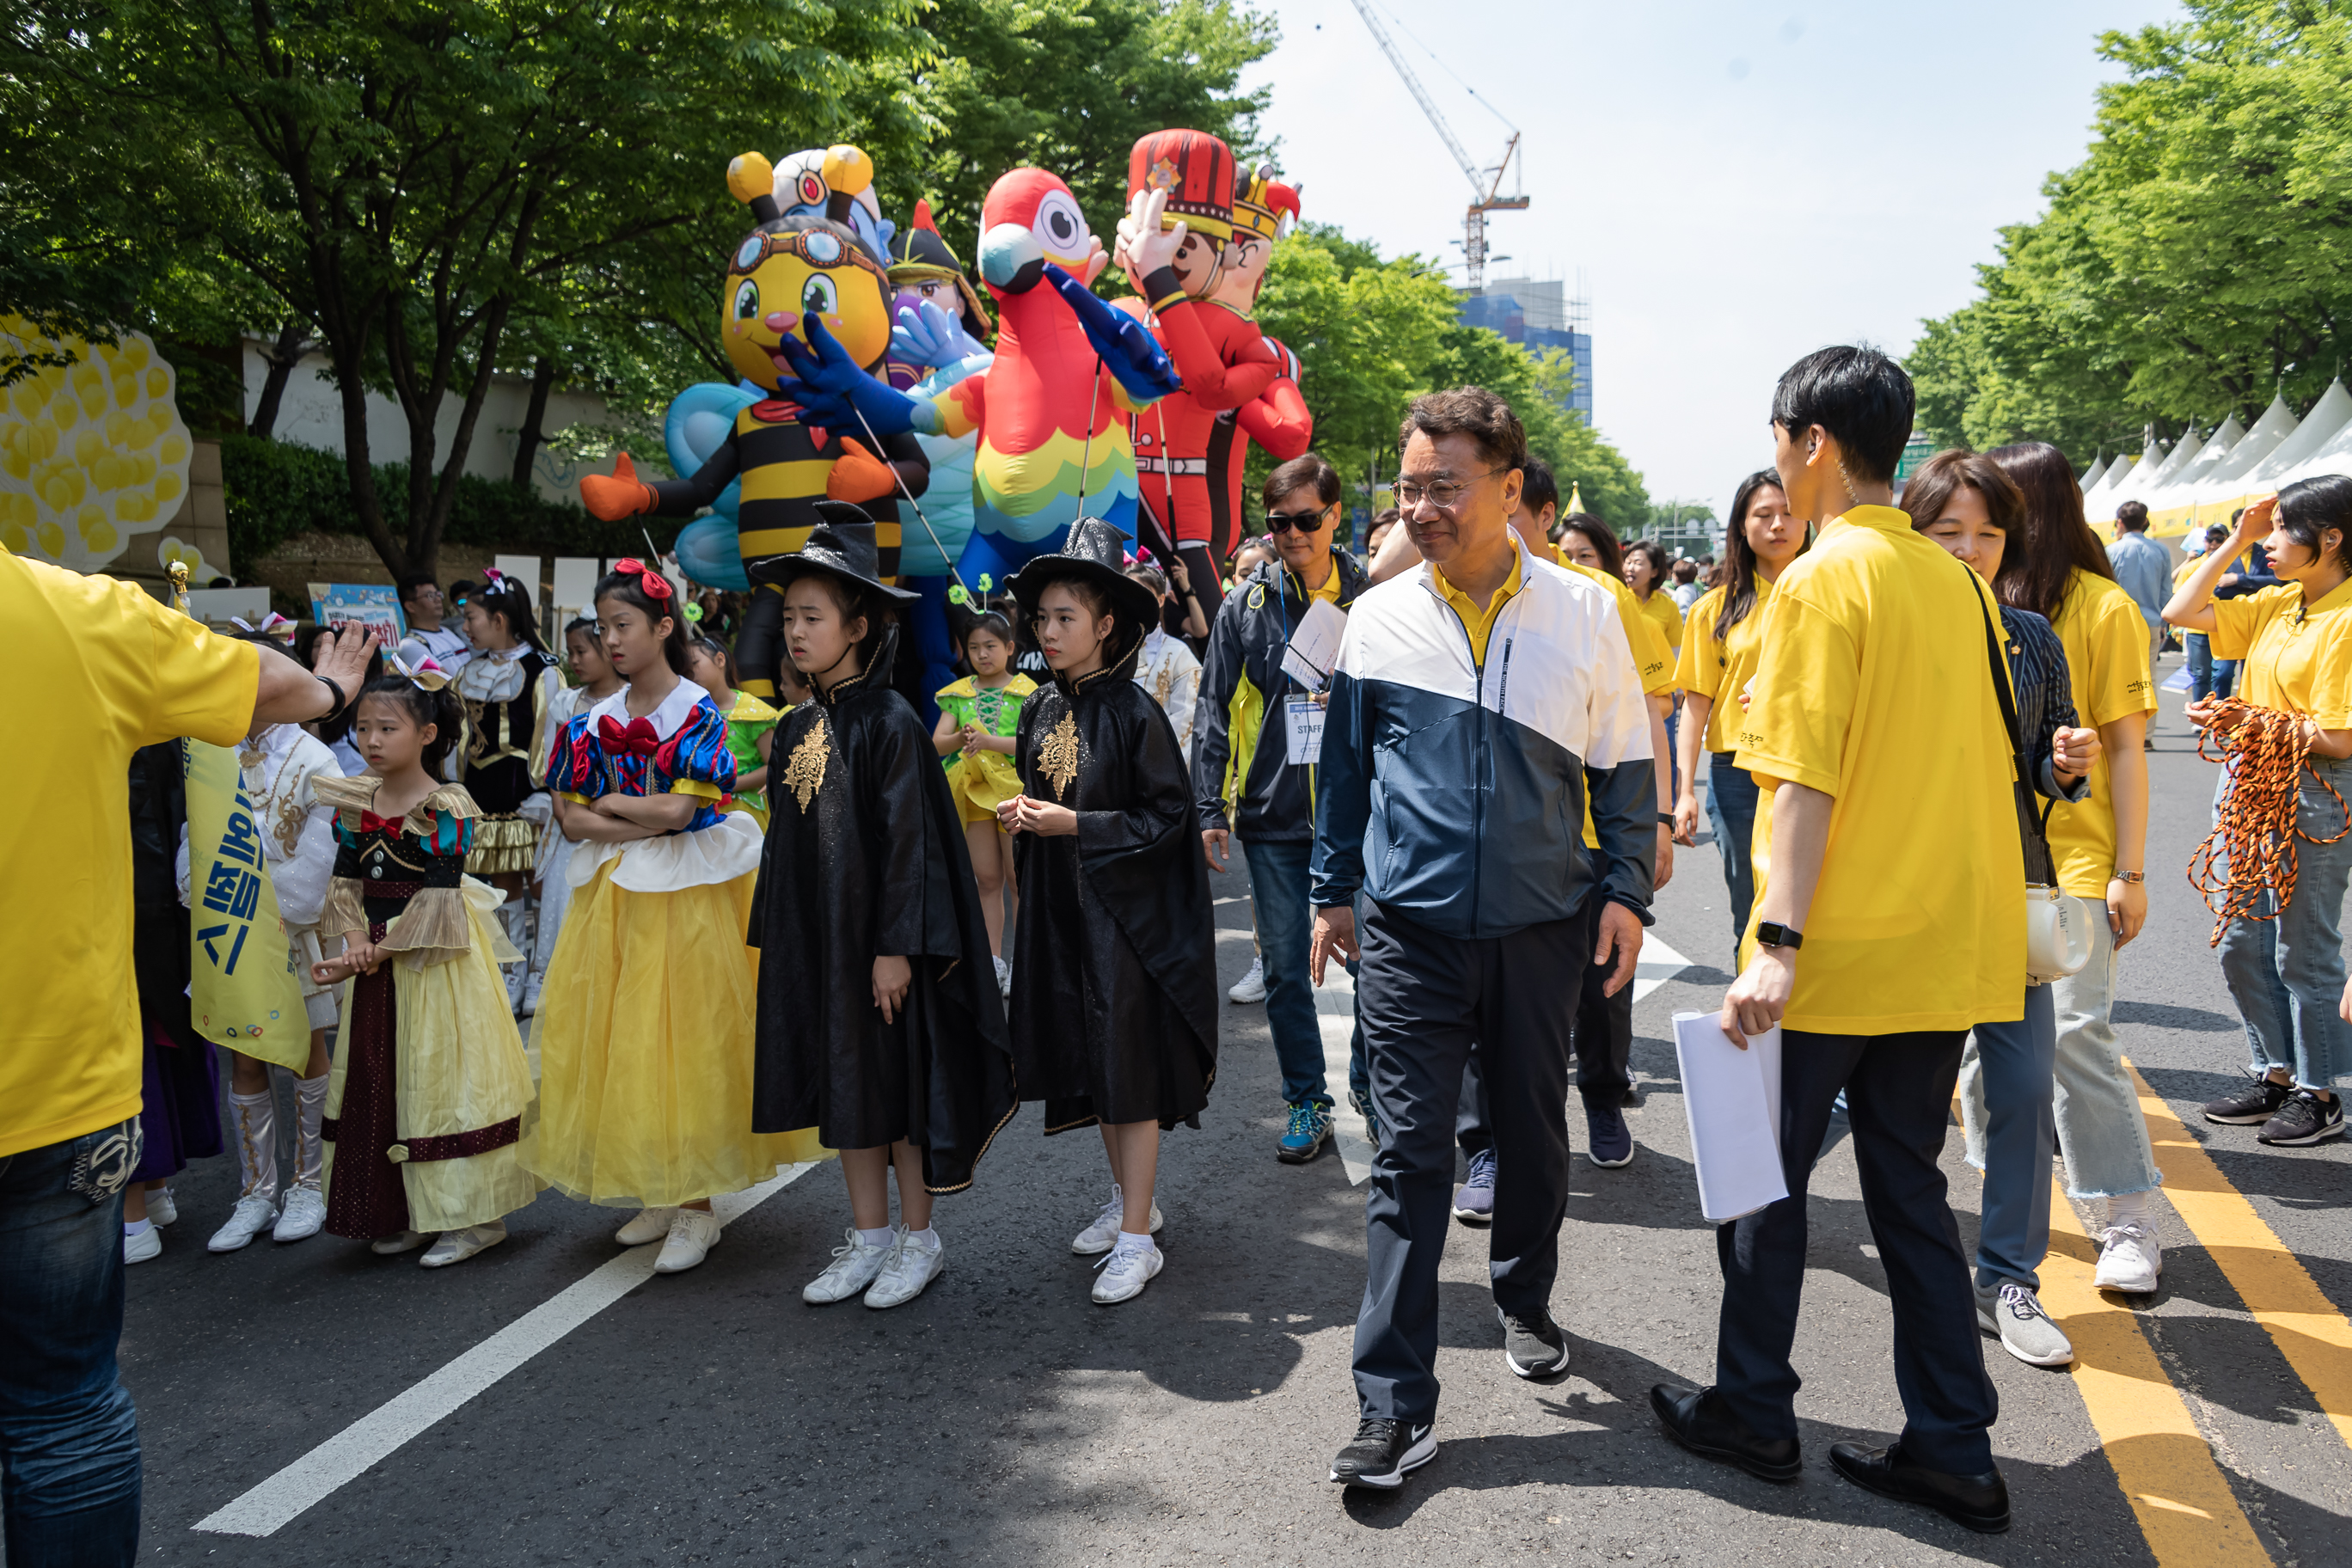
[
  {"x": 1533, "y": 1346},
  {"x": 2251, "y": 1106},
  {"x": 1382, "y": 1452},
  {"x": 2304, "y": 1119}
]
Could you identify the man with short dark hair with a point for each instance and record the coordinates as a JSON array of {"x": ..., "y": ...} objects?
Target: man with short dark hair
[
  {"x": 2143, "y": 568},
  {"x": 421, "y": 604},
  {"x": 1490, "y": 693},
  {"x": 1249, "y": 785},
  {"x": 1900, "y": 883}
]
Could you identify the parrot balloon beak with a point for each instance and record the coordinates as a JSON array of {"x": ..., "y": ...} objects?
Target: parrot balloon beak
[{"x": 1011, "y": 257}]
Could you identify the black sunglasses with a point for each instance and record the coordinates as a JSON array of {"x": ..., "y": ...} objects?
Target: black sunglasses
[{"x": 1305, "y": 522}]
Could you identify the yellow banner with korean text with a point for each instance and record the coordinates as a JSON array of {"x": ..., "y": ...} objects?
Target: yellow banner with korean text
[{"x": 246, "y": 995}]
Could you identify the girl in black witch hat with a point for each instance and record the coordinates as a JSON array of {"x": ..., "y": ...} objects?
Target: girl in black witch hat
[
  {"x": 879, "y": 1016},
  {"x": 1114, "y": 975}
]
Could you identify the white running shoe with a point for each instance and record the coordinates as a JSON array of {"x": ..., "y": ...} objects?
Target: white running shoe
[
  {"x": 161, "y": 1208},
  {"x": 692, "y": 1234},
  {"x": 1004, "y": 978},
  {"x": 651, "y": 1224},
  {"x": 305, "y": 1211},
  {"x": 515, "y": 979},
  {"x": 909, "y": 1268},
  {"x": 398, "y": 1242},
  {"x": 853, "y": 1268},
  {"x": 1122, "y": 1275},
  {"x": 456, "y": 1246},
  {"x": 250, "y": 1217},
  {"x": 1103, "y": 1234},
  {"x": 1250, "y": 987},
  {"x": 147, "y": 1244},
  {"x": 2129, "y": 1260}
]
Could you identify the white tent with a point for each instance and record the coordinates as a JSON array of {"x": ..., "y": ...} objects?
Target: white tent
[
  {"x": 2326, "y": 420},
  {"x": 2334, "y": 457},
  {"x": 2132, "y": 485},
  {"x": 2222, "y": 484},
  {"x": 2098, "y": 499},
  {"x": 2174, "y": 465},
  {"x": 2215, "y": 452},
  {"x": 2092, "y": 474}
]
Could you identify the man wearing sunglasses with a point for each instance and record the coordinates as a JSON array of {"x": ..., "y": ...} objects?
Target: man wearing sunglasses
[{"x": 1247, "y": 784}]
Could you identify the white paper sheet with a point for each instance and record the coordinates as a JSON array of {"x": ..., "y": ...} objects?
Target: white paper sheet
[
  {"x": 1315, "y": 646},
  {"x": 1733, "y": 1100}
]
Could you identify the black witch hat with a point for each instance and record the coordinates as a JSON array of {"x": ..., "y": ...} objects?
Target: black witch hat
[
  {"x": 843, "y": 544},
  {"x": 1095, "y": 552}
]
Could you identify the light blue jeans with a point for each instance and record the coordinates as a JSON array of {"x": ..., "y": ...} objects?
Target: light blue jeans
[
  {"x": 2097, "y": 1106},
  {"x": 2286, "y": 974},
  {"x": 2005, "y": 1089}
]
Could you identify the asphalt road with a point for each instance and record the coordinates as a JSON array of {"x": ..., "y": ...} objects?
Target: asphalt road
[{"x": 1004, "y": 1418}]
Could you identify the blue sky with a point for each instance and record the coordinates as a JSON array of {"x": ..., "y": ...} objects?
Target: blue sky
[{"x": 1739, "y": 184}]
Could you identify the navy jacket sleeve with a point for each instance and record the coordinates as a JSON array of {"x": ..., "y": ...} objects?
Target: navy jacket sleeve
[
  {"x": 1343, "y": 797},
  {"x": 1213, "y": 744}
]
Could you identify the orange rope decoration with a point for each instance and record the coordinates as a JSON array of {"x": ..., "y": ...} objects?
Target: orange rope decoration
[{"x": 2251, "y": 850}]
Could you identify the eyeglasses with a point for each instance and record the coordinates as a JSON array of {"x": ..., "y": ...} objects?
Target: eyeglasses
[
  {"x": 1445, "y": 495},
  {"x": 1304, "y": 521}
]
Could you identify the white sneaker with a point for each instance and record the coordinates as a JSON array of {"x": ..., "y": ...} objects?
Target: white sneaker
[
  {"x": 531, "y": 993},
  {"x": 651, "y": 1224},
  {"x": 692, "y": 1234},
  {"x": 305, "y": 1211},
  {"x": 853, "y": 1268},
  {"x": 161, "y": 1208},
  {"x": 1250, "y": 987},
  {"x": 1103, "y": 1234},
  {"x": 515, "y": 979},
  {"x": 1122, "y": 1275},
  {"x": 456, "y": 1246},
  {"x": 147, "y": 1244},
  {"x": 250, "y": 1217},
  {"x": 909, "y": 1268},
  {"x": 398, "y": 1242},
  {"x": 2129, "y": 1260},
  {"x": 1004, "y": 979}
]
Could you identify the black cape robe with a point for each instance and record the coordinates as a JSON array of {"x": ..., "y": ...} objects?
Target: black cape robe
[
  {"x": 866, "y": 855},
  {"x": 1114, "y": 972}
]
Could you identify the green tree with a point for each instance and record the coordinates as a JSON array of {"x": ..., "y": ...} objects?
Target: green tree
[{"x": 2199, "y": 259}]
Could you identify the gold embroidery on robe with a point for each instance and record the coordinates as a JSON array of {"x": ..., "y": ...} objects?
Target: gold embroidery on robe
[
  {"x": 804, "y": 773},
  {"x": 1058, "y": 759}
]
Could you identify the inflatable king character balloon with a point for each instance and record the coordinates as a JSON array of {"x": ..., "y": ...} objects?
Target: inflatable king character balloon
[
  {"x": 794, "y": 278},
  {"x": 1194, "y": 243},
  {"x": 1051, "y": 410}
]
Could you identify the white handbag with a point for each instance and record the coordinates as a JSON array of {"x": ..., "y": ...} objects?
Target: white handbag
[{"x": 2057, "y": 924}]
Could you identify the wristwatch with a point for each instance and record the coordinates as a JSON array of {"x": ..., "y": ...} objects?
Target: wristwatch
[
  {"x": 1772, "y": 933},
  {"x": 1665, "y": 819},
  {"x": 2127, "y": 876}
]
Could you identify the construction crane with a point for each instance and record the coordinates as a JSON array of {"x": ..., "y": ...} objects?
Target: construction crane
[{"x": 1486, "y": 184}]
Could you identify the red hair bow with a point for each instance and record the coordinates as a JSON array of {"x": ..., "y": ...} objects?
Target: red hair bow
[
  {"x": 655, "y": 585},
  {"x": 637, "y": 737}
]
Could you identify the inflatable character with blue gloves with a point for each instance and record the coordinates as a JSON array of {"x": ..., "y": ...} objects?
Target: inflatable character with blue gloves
[
  {"x": 795, "y": 280},
  {"x": 1051, "y": 409}
]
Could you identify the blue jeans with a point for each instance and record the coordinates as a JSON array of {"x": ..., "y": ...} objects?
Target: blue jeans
[
  {"x": 1285, "y": 927},
  {"x": 1731, "y": 811},
  {"x": 2287, "y": 974},
  {"x": 2207, "y": 676},
  {"x": 69, "y": 1437},
  {"x": 2005, "y": 1093}
]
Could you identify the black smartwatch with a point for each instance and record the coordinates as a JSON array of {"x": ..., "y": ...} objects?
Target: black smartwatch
[
  {"x": 1665, "y": 819},
  {"x": 1772, "y": 933}
]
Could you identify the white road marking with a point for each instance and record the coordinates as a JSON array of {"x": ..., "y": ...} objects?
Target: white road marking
[
  {"x": 1335, "y": 1012},
  {"x": 375, "y": 1436}
]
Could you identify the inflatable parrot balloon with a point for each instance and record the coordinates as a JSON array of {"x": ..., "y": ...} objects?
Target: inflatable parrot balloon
[{"x": 1050, "y": 410}]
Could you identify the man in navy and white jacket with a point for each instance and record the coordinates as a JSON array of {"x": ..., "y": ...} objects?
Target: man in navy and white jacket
[{"x": 1481, "y": 701}]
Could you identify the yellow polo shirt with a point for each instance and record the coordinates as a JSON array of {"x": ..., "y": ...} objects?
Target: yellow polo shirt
[
  {"x": 2297, "y": 660},
  {"x": 1873, "y": 686},
  {"x": 1330, "y": 588},
  {"x": 1661, "y": 610},
  {"x": 1654, "y": 662},
  {"x": 2106, "y": 655},
  {"x": 1717, "y": 668},
  {"x": 1478, "y": 622},
  {"x": 97, "y": 669}
]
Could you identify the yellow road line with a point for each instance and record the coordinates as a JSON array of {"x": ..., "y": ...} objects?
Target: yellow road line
[
  {"x": 2276, "y": 1288},
  {"x": 2163, "y": 1464}
]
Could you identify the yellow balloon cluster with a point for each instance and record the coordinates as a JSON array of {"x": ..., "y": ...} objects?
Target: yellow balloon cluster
[{"x": 92, "y": 452}]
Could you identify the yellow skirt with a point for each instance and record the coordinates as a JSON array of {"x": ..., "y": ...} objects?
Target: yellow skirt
[
  {"x": 980, "y": 782},
  {"x": 502, "y": 844},
  {"x": 645, "y": 1045}
]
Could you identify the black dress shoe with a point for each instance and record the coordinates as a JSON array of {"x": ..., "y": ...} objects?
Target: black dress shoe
[
  {"x": 1979, "y": 1502},
  {"x": 1700, "y": 1421}
]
